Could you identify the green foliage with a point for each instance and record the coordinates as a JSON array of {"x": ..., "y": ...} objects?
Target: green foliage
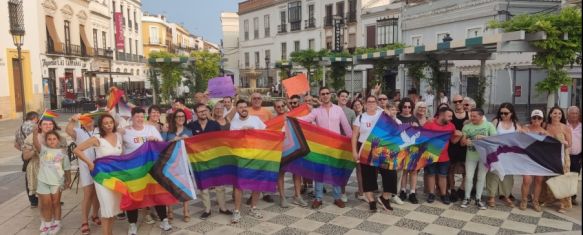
[
  {"x": 207, "y": 66},
  {"x": 415, "y": 71},
  {"x": 338, "y": 75},
  {"x": 561, "y": 48},
  {"x": 480, "y": 97},
  {"x": 170, "y": 74},
  {"x": 365, "y": 50}
]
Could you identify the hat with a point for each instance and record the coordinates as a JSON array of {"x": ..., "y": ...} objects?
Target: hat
[{"x": 537, "y": 112}]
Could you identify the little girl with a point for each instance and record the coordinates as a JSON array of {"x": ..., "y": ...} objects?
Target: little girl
[{"x": 53, "y": 177}]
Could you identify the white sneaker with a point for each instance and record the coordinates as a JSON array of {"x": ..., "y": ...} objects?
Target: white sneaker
[
  {"x": 344, "y": 198},
  {"x": 395, "y": 199},
  {"x": 300, "y": 202},
  {"x": 284, "y": 203},
  {"x": 44, "y": 229},
  {"x": 133, "y": 230},
  {"x": 236, "y": 217},
  {"x": 55, "y": 228},
  {"x": 164, "y": 225},
  {"x": 148, "y": 219}
]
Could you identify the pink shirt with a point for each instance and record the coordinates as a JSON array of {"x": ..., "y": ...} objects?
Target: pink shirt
[
  {"x": 575, "y": 139},
  {"x": 332, "y": 119}
]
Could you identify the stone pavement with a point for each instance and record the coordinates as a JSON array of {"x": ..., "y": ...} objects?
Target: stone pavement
[{"x": 423, "y": 218}]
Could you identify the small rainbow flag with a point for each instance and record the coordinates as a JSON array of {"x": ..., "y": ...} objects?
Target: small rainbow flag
[
  {"x": 49, "y": 115},
  {"x": 87, "y": 118},
  {"x": 277, "y": 123},
  {"x": 114, "y": 97},
  {"x": 396, "y": 147},
  {"x": 246, "y": 159},
  {"x": 317, "y": 153},
  {"x": 129, "y": 175}
]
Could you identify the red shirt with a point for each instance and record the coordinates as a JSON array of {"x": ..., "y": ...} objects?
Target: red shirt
[{"x": 436, "y": 126}]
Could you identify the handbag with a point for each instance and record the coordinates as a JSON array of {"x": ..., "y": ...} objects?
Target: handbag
[{"x": 563, "y": 186}]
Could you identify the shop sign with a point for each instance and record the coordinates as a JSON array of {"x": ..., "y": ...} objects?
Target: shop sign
[{"x": 64, "y": 62}]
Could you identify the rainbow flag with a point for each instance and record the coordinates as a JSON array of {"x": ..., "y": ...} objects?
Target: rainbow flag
[
  {"x": 49, "y": 115},
  {"x": 317, "y": 153},
  {"x": 129, "y": 175},
  {"x": 114, "y": 97},
  {"x": 87, "y": 118},
  {"x": 395, "y": 147},
  {"x": 172, "y": 171},
  {"x": 278, "y": 123},
  {"x": 246, "y": 159}
]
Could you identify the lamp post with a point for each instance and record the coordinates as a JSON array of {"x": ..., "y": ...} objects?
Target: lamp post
[
  {"x": 267, "y": 70},
  {"x": 17, "y": 32},
  {"x": 447, "y": 39},
  {"x": 109, "y": 54}
]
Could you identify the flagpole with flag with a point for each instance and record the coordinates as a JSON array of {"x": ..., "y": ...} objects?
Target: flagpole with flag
[{"x": 49, "y": 115}]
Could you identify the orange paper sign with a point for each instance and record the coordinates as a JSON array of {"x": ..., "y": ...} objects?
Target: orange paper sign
[{"x": 297, "y": 85}]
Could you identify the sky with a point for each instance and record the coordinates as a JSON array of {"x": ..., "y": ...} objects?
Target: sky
[{"x": 200, "y": 17}]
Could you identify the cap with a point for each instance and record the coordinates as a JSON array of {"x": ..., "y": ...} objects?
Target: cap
[{"x": 537, "y": 112}]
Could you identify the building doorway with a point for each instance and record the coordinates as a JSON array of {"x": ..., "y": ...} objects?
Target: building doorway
[
  {"x": 17, "y": 86},
  {"x": 53, "y": 88}
]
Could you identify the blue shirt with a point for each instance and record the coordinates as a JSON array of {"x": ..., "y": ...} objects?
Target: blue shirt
[
  {"x": 210, "y": 127},
  {"x": 170, "y": 136}
]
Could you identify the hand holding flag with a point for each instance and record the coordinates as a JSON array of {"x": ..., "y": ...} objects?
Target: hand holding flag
[{"x": 48, "y": 115}]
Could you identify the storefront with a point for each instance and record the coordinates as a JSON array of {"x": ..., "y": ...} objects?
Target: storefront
[{"x": 64, "y": 78}]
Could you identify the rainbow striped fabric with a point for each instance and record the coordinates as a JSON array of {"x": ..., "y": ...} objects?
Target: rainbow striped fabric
[
  {"x": 87, "y": 118},
  {"x": 317, "y": 153},
  {"x": 114, "y": 97},
  {"x": 130, "y": 175},
  {"x": 172, "y": 171},
  {"x": 49, "y": 115},
  {"x": 395, "y": 147},
  {"x": 278, "y": 123},
  {"x": 246, "y": 159}
]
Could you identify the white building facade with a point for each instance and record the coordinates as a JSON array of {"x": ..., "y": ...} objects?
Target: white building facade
[{"x": 230, "y": 45}]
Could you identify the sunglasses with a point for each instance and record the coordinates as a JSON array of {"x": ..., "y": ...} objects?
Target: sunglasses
[
  {"x": 504, "y": 113},
  {"x": 326, "y": 93},
  {"x": 179, "y": 116},
  {"x": 536, "y": 118},
  {"x": 279, "y": 106},
  {"x": 256, "y": 98},
  {"x": 457, "y": 101},
  {"x": 406, "y": 107},
  {"x": 293, "y": 103},
  {"x": 466, "y": 104}
]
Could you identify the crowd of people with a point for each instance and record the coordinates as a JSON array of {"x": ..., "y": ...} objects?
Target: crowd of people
[{"x": 48, "y": 168}]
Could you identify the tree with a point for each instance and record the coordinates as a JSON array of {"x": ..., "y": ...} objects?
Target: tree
[
  {"x": 562, "y": 46},
  {"x": 207, "y": 66},
  {"x": 170, "y": 74},
  {"x": 308, "y": 59},
  {"x": 382, "y": 66}
]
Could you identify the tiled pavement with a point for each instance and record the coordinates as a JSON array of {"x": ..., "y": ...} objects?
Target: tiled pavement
[{"x": 423, "y": 218}]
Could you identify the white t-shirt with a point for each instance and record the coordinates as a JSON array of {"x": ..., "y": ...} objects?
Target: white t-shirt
[
  {"x": 133, "y": 139},
  {"x": 251, "y": 121},
  {"x": 366, "y": 122},
  {"x": 83, "y": 135}
]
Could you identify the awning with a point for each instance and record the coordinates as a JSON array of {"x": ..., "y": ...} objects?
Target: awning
[
  {"x": 88, "y": 49},
  {"x": 169, "y": 60},
  {"x": 57, "y": 46}
]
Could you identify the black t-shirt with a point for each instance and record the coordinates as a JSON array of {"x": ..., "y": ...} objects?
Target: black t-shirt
[
  {"x": 197, "y": 129},
  {"x": 457, "y": 152},
  {"x": 411, "y": 119}
]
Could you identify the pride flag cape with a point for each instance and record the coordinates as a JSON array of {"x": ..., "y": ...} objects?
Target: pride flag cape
[
  {"x": 317, "y": 153},
  {"x": 49, "y": 115},
  {"x": 521, "y": 154},
  {"x": 277, "y": 123},
  {"x": 395, "y": 147},
  {"x": 246, "y": 159},
  {"x": 114, "y": 97},
  {"x": 129, "y": 175}
]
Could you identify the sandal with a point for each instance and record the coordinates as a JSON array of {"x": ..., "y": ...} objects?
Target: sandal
[
  {"x": 85, "y": 229},
  {"x": 96, "y": 220},
  {"x": 170, "y": 213},
  {"x": 491, "y": 202},
  {"x": 523, "y": 204},
  {"x": 508, "y": 202},
  {"x": 536, "y": 206}
]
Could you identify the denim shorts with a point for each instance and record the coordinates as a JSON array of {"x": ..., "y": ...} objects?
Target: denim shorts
[{"x": 438, "y": 168}]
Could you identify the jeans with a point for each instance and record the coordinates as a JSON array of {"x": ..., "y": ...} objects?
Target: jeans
[
  {"x": 319, "y": 188},
  {"x": 471, "y": 166}
]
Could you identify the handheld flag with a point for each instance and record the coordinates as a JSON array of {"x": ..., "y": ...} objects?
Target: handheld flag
[{"x": 49, "y": 115}]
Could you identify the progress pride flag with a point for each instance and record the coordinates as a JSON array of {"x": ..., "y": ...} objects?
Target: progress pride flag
[{"x": 119, "y": 40}]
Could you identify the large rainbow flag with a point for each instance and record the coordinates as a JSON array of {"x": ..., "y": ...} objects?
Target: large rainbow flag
[
  {"x": 317, "y": 153},
  {"x": 129, "y": 175},
  {"x": 246, "y": 159},
  {"x": 278, "y": 123},
  {"x": 395, "y": 147}
]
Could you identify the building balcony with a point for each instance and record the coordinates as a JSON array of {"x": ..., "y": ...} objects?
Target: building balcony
[
  {"x": 282, "y": 28},
  {"x": 328, "y": 21},
  {"x": 295, "y": 26},
  {"x": 67, "y": 50},
  {"x": 100, "y": 52},
  {"x": 310, "y": 23},
  {"x": 121, "y": 56},
  {"x": 351, "y": 16}
]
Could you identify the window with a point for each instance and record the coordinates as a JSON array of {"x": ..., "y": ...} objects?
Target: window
[
  {"x": 311, "y": 23},
  {"x": 295, "y": 15},
  {"x": 387, "y": 32},
  {"x": 371, "y": 36},
  {"x": 95, "y": 40},
  {"x": 266, "y": 25},
  {"x": 440, "y": 36},
  {"x": 135, "y": 21},
  {"x": 296, "y": 45},
  {"x": 282, "y": 28},
  {"x": 312, "y": 44},
  {"x": 246, "y": 59},
  {"x": 268, "y": 55},
  {"x": 154, "y": 39},
  {"x": 129, "y": 19},
  {"x": 130, "y": 42},
  {"x": 416, "y": 40},
  {"x": 123, "y": 21},
  {"x": 67, "y": 37},
  {"x": 255, "y": 28},
  {"x": 340, "y": 9},
  {"x": 474, "y": 32},
  {"x": 328, "y": 18},
  {"x": 257, "y": 59},
  {"x": 351, "y": 11},
  {"x": 246, "y": 29},
  {"x": 136, "y": 46},
  {"x": 283, "y": 51},
  {"x": 104, "y": 39}
]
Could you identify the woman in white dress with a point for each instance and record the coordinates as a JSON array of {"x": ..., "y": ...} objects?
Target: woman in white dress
[{"x": 108, "y": 143}]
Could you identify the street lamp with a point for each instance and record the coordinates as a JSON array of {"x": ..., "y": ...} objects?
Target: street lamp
[
  {"x": 109, "y": 54},
  {"x": 447, "y": 39},
  {"x": 17, "y": 32}
]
